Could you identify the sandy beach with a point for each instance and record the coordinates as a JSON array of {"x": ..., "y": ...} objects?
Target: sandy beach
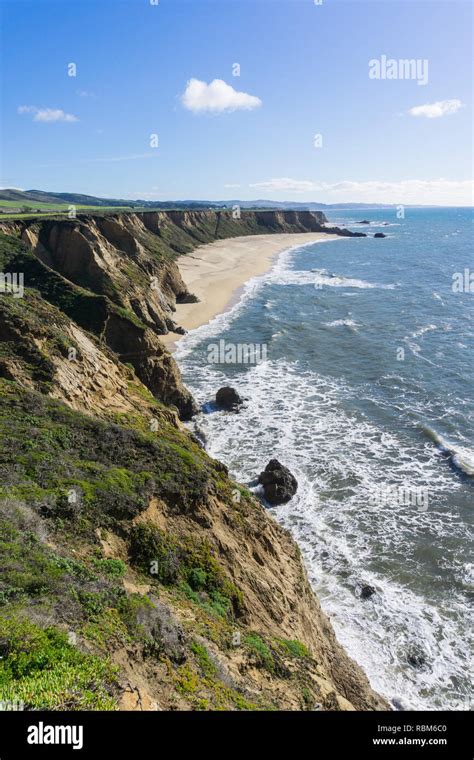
[{"x": 215, "y": 273}]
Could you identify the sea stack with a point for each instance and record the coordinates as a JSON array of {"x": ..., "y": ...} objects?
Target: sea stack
[{"x": 279, "y": 485}]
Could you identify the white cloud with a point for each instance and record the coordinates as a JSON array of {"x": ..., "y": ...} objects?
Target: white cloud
[
  {"x": 85, "y": 94},
  {"x": 47, "y": 114},
  {"x": 216, "y": 97},
  {"x": 285, "y": 183},
  {"x": 411, "y": 191},
  {"x": 436, "y": 110}
]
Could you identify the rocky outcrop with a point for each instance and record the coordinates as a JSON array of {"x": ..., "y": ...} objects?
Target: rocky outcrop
[
  {"x": 127, "y": 261},
  {"x": 125, "y": 302},
  {"x": 380, "y": 235},
  {"x": 279, "y": 485},
  {"x": 228, "y": 398},
  {"x": 130, "y": 258},
  {"x": 140, "y": 346}
]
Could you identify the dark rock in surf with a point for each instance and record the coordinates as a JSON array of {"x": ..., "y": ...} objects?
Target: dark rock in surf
[
  {"x": 416, "y": 657},
  {"x": 363, "y": 221},
  {"x": 380, "y": 235},
  {"x": 279, "y": 485},
  {"x": 367, "y": 591},
  {"x": 227, "y": 398}
]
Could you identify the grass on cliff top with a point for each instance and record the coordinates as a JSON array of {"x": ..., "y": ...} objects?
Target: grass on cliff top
[{"x": 11, "y": 210}]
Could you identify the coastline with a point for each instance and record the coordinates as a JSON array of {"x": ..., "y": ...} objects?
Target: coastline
[
  {"x": 215, "y": 273},
  {"x": 263, "y": 592}
]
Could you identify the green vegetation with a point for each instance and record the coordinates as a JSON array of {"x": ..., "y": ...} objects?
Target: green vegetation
[
  {"x": 204, "y": 661},
  {"x": 113, "y": 568},
  {"x": 39, "y": 667},
  {"x": 112, "y": 616},
  {"x": 270, "y": 654},
  {"x": 195, "y": 683},
  {"x": 294, "y": 648},
  {"x": 263, "y": 655},
  {"x": 80, "y": 469},
  {"x": 26, "y": 209},
  {"x": 188, "y": 563},
  {"x": 86, "y": 573}
]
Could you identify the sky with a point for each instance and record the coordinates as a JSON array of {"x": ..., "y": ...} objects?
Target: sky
[{"x": 301, "y": 100}]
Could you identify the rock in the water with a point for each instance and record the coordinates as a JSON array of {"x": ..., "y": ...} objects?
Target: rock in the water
[
  {"x": 364, "y": 221},
  {"x": 228, "y": 398},
  {"x": 367, "y": 591},
  {"x": 279, "y": 485},
  {"x": 416, "y": 657},
  {"x": 380, "y": 234}
]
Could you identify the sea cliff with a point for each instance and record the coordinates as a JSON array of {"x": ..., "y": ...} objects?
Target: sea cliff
[{"x": 135, "y": 573}]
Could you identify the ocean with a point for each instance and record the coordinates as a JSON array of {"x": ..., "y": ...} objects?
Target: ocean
[{"x": 364, "y": 390}]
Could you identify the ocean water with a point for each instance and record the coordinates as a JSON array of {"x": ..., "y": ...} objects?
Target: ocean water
[{"x": 366, "y": 395}]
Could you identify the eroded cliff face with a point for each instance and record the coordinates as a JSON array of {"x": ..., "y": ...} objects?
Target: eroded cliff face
[
  {"x": 128, "y": 262},
  {"x": 131, "y": 564}
]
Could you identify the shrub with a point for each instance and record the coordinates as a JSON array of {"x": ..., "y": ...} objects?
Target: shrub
[
  {"x": 113, "y": 568},
  {"x": 294, "y": 648},
  {"x": 187, "y": 563},
  {"x": 38, "y": 666}
]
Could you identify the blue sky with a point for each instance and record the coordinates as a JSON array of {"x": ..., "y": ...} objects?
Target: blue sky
[{"x": 304, "y": 71}]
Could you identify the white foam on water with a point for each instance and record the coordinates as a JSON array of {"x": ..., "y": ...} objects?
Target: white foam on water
[
  {"x": 357, "y": 225},
  {"x": 412, "y": 646},
  {"x": 461, "y": 456},
  {"x": 250, "y": 289},
  {"x": 342, "y": 323},
  {"x": 340, "y": 460},
  {"x": 319, "y": 278},
  {"x": 422, "y": 330}
]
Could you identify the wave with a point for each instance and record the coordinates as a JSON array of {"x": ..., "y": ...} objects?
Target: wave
[
  {"x": 321, "y": 278},
  {"x": 460, "y": 456},
  {"x": 437, "y": 297},
  {"x": 343, "y": 323},
  {"x": 340, "y": 461},
  {"x": 422, "y": 330},
  {"x": 358, "y": 225},
  {"x": 416, "y": 349},
  {"x": 250, "y": 290},
  {"x": 410, "y": 636}
]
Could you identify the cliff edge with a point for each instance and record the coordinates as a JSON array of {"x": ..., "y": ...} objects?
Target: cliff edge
[{"x": 135, "y": 573}]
